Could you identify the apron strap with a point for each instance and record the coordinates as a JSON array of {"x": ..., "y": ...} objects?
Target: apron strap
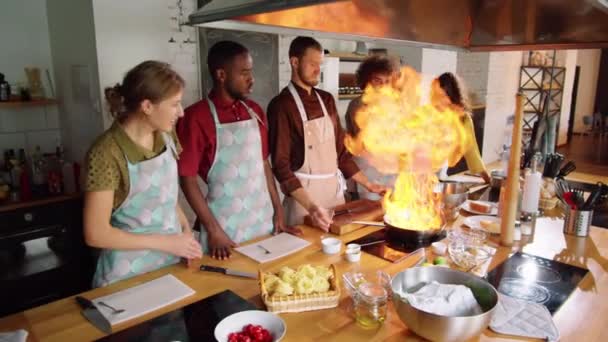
[
  {"x": 252, "y": 113},
  {"x": 300, "y": 105},
  {"x": 169, "y": 143},
  {"x": 213, "y": 112}
]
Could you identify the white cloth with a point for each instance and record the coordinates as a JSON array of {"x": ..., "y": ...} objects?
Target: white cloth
[
  {"x": 444, "y": 300},
  {"x": 14, "y": 336},
  {"x": 521, "y": 318}
]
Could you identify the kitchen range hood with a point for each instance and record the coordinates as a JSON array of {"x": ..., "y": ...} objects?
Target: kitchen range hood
[{"x": 476, "y": 25}]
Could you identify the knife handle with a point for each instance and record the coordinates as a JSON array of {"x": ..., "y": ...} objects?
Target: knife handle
[
  {"x": 213, "y": 269},
  {"x": 85, "y": 303}
]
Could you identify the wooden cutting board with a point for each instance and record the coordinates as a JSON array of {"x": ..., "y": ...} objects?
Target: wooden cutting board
[{"x": 360, "y": 210}]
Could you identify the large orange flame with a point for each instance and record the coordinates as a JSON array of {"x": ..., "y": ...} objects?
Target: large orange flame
[{"x": 400, "y": 135}]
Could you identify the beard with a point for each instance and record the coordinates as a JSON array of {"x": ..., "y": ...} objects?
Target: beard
[
  {"x": 311, "y": 81},
  {"x": 234, "y": 92}
]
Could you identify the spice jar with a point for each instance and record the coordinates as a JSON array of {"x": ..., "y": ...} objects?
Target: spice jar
[{"x": 370, "y": 305}]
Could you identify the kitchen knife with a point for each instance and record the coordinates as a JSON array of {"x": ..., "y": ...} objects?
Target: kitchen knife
[
  {"x": 350, "y": 211},
  {"x": 93, "y": 315},
  {"x": 370, "y": 223},
  {"x": 228, "y": 271}
]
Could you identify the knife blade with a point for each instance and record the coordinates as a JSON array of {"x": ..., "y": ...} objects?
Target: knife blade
[
  {"x": 228, "y": 271},
  {"x": 370, "y": 223},
  {"x": 93, "y": 315}
]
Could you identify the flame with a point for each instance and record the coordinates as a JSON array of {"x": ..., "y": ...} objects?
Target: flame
[
  {"x": 400, "y": 135},
  {"x": 369, "y": 23}
]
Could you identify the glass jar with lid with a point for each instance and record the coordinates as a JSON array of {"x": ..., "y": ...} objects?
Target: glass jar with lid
[{"x": 370, "y": 303}]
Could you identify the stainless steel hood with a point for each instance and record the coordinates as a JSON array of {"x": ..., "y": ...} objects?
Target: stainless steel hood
[{"x": 476, "y": 25}]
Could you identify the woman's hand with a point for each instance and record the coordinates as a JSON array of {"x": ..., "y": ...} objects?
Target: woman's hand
[{"x": 183, "y": 245}]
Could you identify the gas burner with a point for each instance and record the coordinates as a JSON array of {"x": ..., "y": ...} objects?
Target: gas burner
[{"x": 528, "y": 291}]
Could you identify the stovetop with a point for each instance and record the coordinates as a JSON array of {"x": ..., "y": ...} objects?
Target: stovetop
[
  {"x": 536, "y": 279},
  {"x": 392, "y": 250}
]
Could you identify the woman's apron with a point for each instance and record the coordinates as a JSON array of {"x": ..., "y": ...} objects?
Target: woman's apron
[{"x": 150, "y": 208}]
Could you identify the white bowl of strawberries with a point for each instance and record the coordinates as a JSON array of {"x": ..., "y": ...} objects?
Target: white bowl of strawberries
[{"x": 251, "y": 326}]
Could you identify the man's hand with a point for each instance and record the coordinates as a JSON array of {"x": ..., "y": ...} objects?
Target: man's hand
[
  {"x": 377, "y": 188},
  {"x": 219, "y": 244},
  {"x": 280, "y": 226},
  {"x": 321, "y": 217}
]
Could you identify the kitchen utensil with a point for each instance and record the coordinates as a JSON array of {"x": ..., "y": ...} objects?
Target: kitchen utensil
[
  {"x": 236, "y": 322},
  {"x": 566, "y": 169},
  {"x": 114, "y": 310},
  {"x": 578, "y": 222},
  {"x": 228, "y": 271},
  {"x": 346, "y": 216},
  {"x": 93, "y": 315},
  {"x": 594, "y": 197},
  {"x": 424, "y": 237},
  {"x": 372, "y": 243},
  {"x": 443, "y": 328},
  {"x": 264, "y": 249},
  {"x": 369, "y": 223}
]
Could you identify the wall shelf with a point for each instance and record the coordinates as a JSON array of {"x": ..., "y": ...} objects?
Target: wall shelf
[
  {"x": 24, "y": 104},
  {"x": 348, "y": 96}
]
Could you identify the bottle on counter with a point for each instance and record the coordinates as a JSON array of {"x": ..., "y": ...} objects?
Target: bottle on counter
[{"x": 5, "y": 89}]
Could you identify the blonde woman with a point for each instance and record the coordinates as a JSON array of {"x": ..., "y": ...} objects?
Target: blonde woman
[{"x": 131, "y": 211}]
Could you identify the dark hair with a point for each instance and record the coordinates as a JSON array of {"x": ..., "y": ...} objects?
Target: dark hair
[
  {"x": 373, "y": 65},
  {"x": 298, "y": 46},
  {"x": 449, "y": 83},
  {"x": 149, "y": 80},
  {"x": 222, "y": 53}
]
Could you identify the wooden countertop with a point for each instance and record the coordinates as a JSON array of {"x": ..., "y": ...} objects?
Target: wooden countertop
[{"x": 582, "y": 316}]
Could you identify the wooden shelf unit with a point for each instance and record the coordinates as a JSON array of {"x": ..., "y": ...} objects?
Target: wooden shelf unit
[{"x": 24, "y": 104}]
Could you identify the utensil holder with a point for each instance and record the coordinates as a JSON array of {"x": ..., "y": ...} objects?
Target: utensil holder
[{"x": 578, "y": 222}]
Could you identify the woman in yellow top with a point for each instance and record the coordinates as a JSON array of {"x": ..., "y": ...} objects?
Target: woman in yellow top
[
  {"x": 131, "y": 211},
  {"x": 447, "y": 84}
]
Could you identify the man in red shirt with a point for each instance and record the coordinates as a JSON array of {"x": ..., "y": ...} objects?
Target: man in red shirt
[{"x": 225, "y": 142}]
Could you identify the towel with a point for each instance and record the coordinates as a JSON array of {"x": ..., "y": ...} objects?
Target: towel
[
  {"x": 14, "y": 336},
  {"x": 444, "y": 300},
  {"x": 521, "y": 318}
]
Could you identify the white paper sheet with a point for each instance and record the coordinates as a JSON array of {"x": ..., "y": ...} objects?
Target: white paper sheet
[
  {"x": 278, "y": 246},
  {"x": 144, "y": 298}
]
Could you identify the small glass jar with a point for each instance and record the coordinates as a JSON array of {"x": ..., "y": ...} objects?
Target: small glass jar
[{"x": 370, "y": 305}]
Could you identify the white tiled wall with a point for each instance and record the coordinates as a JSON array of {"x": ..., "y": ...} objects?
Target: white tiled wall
[
  {"x": 472, "y": 67},
  {"x": 503, "y": 84},
  {"x": 434, "y": 63},
  {"x": 29, "y": 127}
]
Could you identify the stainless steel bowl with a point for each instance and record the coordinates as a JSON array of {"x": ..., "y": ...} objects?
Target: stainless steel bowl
[
  {"x": 454, "y": 194},
  {"x": 443, "y": 328}
]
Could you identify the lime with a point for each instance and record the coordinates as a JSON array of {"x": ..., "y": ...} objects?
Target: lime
[
  {"x": 440, "y": 261},
  {"x": 427, "y": 264}
]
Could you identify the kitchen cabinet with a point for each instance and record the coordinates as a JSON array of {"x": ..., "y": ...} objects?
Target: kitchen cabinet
[{"x": 42, "y": 253}]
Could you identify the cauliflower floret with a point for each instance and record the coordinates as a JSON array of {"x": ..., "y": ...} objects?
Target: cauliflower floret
[
  {"x": 320, "y": 284},
  {"x": 282, "y": 288}
]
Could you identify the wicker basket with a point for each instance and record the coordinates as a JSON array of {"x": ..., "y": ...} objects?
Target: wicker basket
[
  {"x": 547, "y": 204},
  {"x": 299, "y": 303}
]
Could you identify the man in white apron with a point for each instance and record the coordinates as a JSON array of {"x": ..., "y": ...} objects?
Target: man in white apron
[
  {"x": 307, "y": 142},
  {"x": 224, "y": 140}
]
